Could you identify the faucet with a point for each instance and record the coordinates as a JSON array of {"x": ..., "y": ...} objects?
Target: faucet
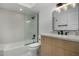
[
  {"x": 33, "y": 37},
  {"x": 66, "y": 33}
]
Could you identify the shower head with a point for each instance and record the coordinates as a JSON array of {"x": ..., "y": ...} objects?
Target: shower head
[{"x": 33, "y": 17}]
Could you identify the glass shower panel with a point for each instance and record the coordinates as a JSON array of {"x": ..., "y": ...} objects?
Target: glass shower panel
[{"x": 30, "y": 29}]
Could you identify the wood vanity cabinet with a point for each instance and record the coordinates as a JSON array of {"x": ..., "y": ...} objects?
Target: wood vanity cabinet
[{"x": 51, "y": 46}]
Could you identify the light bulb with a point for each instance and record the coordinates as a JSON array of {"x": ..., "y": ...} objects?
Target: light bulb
[
  {"x": 21, "y": 9},
  {"x": 65, "y": 8},
  {"x": 58, "y": 10},
  {"x": 73, "y": 5}
]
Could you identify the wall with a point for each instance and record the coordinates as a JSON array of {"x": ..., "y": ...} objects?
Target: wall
[{"x": 45, "y": 17}]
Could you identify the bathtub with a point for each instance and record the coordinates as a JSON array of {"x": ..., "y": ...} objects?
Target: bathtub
[
  {"x": 20, "y": 51},
  {"x": 16, "y": 49}
]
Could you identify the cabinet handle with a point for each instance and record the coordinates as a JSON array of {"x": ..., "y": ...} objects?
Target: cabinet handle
[{"x": 62, "y": 25}]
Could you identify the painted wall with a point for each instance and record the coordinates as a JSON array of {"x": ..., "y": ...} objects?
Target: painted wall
[{"x": 45, "y": 17}]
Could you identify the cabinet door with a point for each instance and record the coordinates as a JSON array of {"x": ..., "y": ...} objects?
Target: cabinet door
[
  {"x": 49, "y": 47},
  {"x": 73, "y": 18},
  {"x": 60, "y": 20}
]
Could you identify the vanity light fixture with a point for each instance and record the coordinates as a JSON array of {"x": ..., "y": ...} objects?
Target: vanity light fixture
[
  {"x": 58, "y": 9},
  {"x": 65, "y": 7}
]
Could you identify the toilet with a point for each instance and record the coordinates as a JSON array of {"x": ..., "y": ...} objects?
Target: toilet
[{"x": 32, "y": 49}]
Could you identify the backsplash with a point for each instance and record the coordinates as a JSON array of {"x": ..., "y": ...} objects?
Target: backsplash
[{"x": 69, "y": 32}]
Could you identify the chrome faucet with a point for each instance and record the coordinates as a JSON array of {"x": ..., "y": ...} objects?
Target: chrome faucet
[{"x": 33, "y": 37}]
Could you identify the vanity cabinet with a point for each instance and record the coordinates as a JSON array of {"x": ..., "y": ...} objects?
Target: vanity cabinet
[
  {"x": 52, "y": 46},
  {"x": 66, "y": 19}
]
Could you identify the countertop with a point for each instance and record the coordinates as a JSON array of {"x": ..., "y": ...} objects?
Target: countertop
[{"x": 65, "y": 37}]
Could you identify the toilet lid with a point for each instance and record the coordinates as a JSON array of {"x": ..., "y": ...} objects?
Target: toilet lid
[{"x": 34, "y": 45}]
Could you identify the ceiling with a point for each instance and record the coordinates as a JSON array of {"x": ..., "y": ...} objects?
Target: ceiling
[
  {"x": 37, "y": 7},
  {"x": 17, "y": 8},
  {"x": 29, "y": 5},
  {"x": 28, "y": 8}
]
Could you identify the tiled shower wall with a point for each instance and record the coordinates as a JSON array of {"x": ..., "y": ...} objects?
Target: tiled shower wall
[{"x": 11, "y": 27}]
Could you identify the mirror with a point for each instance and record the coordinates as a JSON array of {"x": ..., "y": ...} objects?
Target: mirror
[{"x": 66, "y": 17}]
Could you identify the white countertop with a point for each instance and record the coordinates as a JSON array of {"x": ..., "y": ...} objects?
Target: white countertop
[{"x": 65, "y": 37}]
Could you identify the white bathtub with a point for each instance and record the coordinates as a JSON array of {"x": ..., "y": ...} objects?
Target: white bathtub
[
  {"x": 16, "y": 49},
  {"x": 19, "y": 51}
]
